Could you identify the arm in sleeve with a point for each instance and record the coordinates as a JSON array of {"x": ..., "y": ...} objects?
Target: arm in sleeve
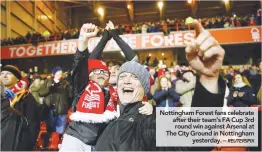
[
  {"x": 172, "y": 93},
  {"x": 127, "y": 50},
  {"x": 98, "y": 50},
  {"x": 249, "y": 97},
  {"x": 80, "y": 75},
  {"x": 45, "y": 88},
  {"x": 159, "y": 95},
  {"x": 182, "y": 87},
  {"x": 203, "y": 98}
]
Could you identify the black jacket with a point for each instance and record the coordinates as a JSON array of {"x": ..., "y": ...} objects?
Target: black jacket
[
  {"x": 28, "y": 106},
  {"x": 15, "y": 130},
  {"x": 135, "y": 132},
  {"x": 57, "y": 95},
  {"x": 132, "y": 131}
]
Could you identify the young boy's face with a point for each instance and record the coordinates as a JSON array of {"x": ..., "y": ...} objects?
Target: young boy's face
[
  {"x": 99, "y": 76},
  {"x": 129, "y": 88}
]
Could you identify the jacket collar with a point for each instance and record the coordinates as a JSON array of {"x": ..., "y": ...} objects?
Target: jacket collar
[{"x": 132, "y": 108}]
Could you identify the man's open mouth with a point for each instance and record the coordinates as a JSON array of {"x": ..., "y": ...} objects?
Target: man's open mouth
[{"x": 128, "y": 90}]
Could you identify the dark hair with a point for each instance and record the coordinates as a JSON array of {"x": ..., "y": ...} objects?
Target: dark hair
[
  {"x": 183, "y": 64},
  {"x": 114, "y": 62}
]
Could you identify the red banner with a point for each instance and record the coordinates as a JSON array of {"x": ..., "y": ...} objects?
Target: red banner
[{"x": 136, "y": 41}]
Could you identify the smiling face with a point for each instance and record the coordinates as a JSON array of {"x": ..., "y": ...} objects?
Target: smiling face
[
  {"x": 164, "y": 82},
  {"x": 129, "y": 88},
  {"x": 58, "y": 75},
  {"x": 238, "y": 79},
  {"x": 8, "y": 79},
  {"x": 113, "y": 73},
  {"x": 99, "y": 76}
]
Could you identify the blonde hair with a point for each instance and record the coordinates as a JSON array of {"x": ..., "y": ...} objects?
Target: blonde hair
[{"x": 244, "y": 78}]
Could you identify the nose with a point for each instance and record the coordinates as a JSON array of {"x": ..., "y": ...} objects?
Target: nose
[
  {"x": 127, "y": 80},
  {"x": 113, "y": 71}
]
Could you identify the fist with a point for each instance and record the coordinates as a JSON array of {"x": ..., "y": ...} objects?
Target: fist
[
  {"x": 87, "y": 31},
  {"x": 240, "y": 94},
  {"x": 235, "y": 94},
  {"x": 110, "y": 26}
]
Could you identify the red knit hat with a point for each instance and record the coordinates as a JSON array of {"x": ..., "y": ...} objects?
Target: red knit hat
[{"x": 96, "y": 64}]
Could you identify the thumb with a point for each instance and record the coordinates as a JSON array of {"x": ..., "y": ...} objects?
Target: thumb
[
  {"x": 143, "y": 102},
  {"x": 198, "y": 27}
]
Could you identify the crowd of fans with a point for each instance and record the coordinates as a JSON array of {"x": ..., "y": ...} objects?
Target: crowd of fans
[
  {"x": 35, "y": 109},
  {"x": 165, "y": 26}
]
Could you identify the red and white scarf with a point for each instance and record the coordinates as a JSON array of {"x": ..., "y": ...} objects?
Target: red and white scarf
[
  {"x": 90, "y": 106},
  {"x": 18, "y": 86}
]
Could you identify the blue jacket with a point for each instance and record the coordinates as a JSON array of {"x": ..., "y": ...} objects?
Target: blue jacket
[{"x": 162, "y": 95}]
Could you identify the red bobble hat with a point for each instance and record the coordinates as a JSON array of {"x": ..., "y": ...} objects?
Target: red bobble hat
[{"x": 96, "y": 64}]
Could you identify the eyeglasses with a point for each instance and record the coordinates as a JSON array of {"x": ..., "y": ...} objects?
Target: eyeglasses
[{"x": 98, "y": 71}]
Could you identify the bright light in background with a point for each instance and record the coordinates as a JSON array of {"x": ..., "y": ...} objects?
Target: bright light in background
[
  {"x": 149, "y": 54},
  {"x": 128, "y": 6},
  {"x": 100, "y": 11},
  {"x": 163, "y": 54},
  {"x": 234, "y": 15},
  {"x": 189, "y": 1},
  {"x": 160, "y": 5},
  {"x": 227, "y": 5}
]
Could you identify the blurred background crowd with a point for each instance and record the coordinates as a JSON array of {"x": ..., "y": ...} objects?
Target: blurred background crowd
[{"x": 165, "y": 26}]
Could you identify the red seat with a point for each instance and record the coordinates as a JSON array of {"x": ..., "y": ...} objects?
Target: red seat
[
  {"x": 230, "y": 149},
  {"x": 54, "y": 141},
  {"x": 40, "y": 142}
]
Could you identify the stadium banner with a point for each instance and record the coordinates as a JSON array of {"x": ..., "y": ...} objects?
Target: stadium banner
[{"x": 135, "y": 41}]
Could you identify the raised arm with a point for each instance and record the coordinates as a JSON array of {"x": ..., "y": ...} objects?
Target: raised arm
[
  {"x": 98, "y": 50},
  {"x": 206, "y": 56},
  {"x": 127, "y": 50},
  {"x": 80, "y": 75}
]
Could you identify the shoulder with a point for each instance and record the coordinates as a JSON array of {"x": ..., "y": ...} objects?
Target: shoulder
[{"x": 148, "y": 121}]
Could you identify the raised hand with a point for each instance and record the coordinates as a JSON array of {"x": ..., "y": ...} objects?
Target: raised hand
[
  {"x": 110, "y": 26},
  {"x": 205, "y": 56},
  {"x": 87, "y": 31}
]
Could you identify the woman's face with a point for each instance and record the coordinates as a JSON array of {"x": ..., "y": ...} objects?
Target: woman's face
[
  {"x": 164, "y": 83},
  {"x": 238, "y": 79}
]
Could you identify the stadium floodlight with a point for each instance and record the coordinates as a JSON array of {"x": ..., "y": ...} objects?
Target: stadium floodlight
[
  {"x": 100, "y": 11},
  {"x": 160, "y": 5},
  {"x": 189, "y": 1}
]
